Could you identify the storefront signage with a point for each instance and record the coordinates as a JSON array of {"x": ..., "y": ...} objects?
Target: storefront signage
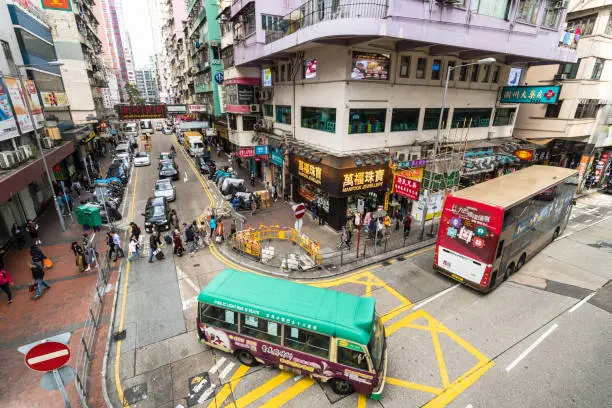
[
  {"x": 530, "y": 94},
  {"x": 363, "y": 180},
  {"x": 524, "y": 154},
  {"x": 176, "y": 108},
  {"x": 19, "y": 104},
  {"x": 261, "y": 150},
  {"x": 412, "y": 163},
  {"x": 276, "y": 158},
  {"x": 8, "y": 126},
  {"x": 140, "y": 111},
  {"x": 309, "y": 171},
  {"x": 35, "y": 106},
  {"x": 370, "y": 65},
  {"x": 412, "y": 174},
  {"x": 197, "y": 108},
  {"x": 63, "y": 5},
  {"x": 266, "y": 77},
  {"x": 245, "y": 152},
  {"x": 406, "y": 187},
  {"x": 219, "y": 77},
  {"x": 54, "y": 99},
  {"x": 245, "y": 95}
]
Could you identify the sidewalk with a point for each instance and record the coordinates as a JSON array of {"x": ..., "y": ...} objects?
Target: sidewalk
[{"x": 61, "y": 309}]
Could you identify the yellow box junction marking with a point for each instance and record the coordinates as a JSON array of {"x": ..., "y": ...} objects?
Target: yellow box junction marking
[{"x": 227, "y": 387}]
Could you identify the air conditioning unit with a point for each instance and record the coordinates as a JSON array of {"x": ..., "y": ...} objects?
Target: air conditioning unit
[
  {"x": 407, "y": 155},
  {"x": 47, "y": 143},
  {"x": 26, "y": 150},
  {"x": 19, "y": 156},
  {"x": 7, "y": 160},
  {"x": 254, "y": 108},
  {"x": 560, "y": 77}
]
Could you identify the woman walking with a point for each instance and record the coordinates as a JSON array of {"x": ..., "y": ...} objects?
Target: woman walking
[
  {"x": 5, "y": 284},
  {"x": 37, "y": 255}
]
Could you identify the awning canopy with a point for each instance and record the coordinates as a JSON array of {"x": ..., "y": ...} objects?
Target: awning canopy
[{"x": 539, "y": 142}]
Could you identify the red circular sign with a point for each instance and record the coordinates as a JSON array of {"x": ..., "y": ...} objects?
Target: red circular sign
[
  {"x": 299, "y": 211},
  {"x": 47, "y": 356}
]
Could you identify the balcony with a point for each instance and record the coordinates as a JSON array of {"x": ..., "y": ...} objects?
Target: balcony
[
  {"x": 305, "y": 16},
  {"x": 202, "y": 88}
]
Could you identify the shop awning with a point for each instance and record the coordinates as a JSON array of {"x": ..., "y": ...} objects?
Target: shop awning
[{"x": 539, "y": 142}]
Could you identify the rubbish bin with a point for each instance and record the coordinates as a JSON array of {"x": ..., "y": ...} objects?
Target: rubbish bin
[
  {"x": 93, "y": 216},
  {"x": 81, "y": 214}
]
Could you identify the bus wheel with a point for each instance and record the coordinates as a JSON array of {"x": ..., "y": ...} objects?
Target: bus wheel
[
  {"x": 520, "y": 262},
  {"x": 245, "y": 357},
  {"x": 555, "y": 234},
  {"x": 509, "y": 271},
  {"x": 341, "y": 387}
]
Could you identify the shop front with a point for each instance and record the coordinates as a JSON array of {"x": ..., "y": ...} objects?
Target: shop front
[
  {"x": 338, "y": 188},
  {"x": 276, "y": 168},
  {"x": 407, "y": 181},
  {"x": 256, "y": 158}
]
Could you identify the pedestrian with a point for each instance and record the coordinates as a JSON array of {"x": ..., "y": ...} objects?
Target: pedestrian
[
  {"x": 220, "y": 231},
  {"x": 313, "y": 210},
  {"x": 110, "y": 245},
  {"x": 178, "y": 244},
  {"x": 343, "y": 238},
  {"x": 190, "y": 239},
  {"x": 407, "y": 223},
  {"x": 233, "y": 227},
  {"x": 32, "y": 228},
  {"x": 37, "y": 255},
  {"x": 5, "y": 284},
  {"x": 134, "y": 231},
  {"x": 17, "y": 232},
  {"x": 77, "y": 188},
  {"x": 118, "y": 249},
  {"x": 154, "y": 244},
  {"x": 252, "y": 179},
  {"x": 38, "y": 274},
  {"x": 213, "y": 226},
  {"x": 80, "y": 259},
  {"x": 253, "y": 204},
  {"x": 274, "y": 193},
  {"x": 174, "y": 220},
  {"x": 133, "y": 249}
]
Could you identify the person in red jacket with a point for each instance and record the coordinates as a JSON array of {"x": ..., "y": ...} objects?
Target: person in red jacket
[{"x": 5, "y": 282}]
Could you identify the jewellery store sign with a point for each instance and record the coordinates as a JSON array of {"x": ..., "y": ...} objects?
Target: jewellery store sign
[{"x": 342, "y": 182}]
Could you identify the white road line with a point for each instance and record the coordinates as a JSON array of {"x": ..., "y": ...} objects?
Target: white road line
[
  {"x": 206, "y": 394},
  {"x": 582, "y": 302},
  {"x": 183, "y": 275},
  {"x": 226, "y": 370},
  {"x": 50, "y": 356},
  {"x": 186, "y": 179},
  {"x": 469, "y": 406},
  {"x": 125, "y": 199},
  {"x": 431, "y": 299},
  {"x": 533, "y": 346},
  {"x": 187, "y": 303},
  {"x": 592, "y": 210},
  {"x": 216, "y": 366}
]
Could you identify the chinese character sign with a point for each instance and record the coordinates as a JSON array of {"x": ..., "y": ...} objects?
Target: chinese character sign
[
  {"x": 309, "y": 171},
  {"x": 8, "y": 125},
  {"x": 246, "y": 152},
  {"x": 140, "y": 111},
  {"x": 406, "y": 187},
  {"x": 19, "y": 104},
  {"x": 358, "y": 180},
  {"x": 530, "y": 94}
]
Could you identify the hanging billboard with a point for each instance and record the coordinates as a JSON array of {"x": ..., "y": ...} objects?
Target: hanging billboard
[
  {"x": 54, "y": 99},
  {"x": 8, "y": 126},
  {"x": 370, "y": 65},
  {"x": 34, "y": 101},
  {"x": 19, "y": 104}
]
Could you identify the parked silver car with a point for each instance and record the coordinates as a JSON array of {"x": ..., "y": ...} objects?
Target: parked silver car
[{"x": 164, "y": 188}]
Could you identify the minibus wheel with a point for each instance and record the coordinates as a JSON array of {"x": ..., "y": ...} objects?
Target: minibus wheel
[
  {"x": 245, "y": 357},
  {"x": 341, "y": 387}
]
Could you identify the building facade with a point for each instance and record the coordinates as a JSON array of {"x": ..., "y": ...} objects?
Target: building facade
[
  {"x": 147, "y": 85},
  {"x": 158, "y": 12},
  {"x": 572, "y": 128},
  {"x": 27, "y": 47},
  {"x": 174, "y": 62},
  {"x": 335, "y": 94}
]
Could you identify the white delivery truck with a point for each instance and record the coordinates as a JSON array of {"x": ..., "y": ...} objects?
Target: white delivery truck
[
  {"x": 146, "y": 126},
  {"x": 195, "y": 144}
]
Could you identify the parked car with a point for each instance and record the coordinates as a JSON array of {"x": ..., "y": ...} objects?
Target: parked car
[
  {"x": 117, "y": 170},
  {"x": 122, "y": 161},
  {"x": 157, "y": 214},
  {"x": 123, "y": 150},
  {"x": 206, "y": 165},
  {"x": 167, "y": 131},
  {"x": 168, "y": 170},
  {"x": 142, "y": 159},
  {"x": 164, "y": 188},
  {"x": 158, "y": 127}
]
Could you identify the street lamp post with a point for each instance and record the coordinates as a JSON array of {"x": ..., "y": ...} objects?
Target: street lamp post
[
  {"x": 37, "y": 137},
  {"x": 484, "y": 61}
]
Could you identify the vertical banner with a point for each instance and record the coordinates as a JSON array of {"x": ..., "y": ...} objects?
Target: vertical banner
[
  {"x": 8, "y": 126},
  {"x": 19, "y": 104},
  {"x": 35, "y": 106}
]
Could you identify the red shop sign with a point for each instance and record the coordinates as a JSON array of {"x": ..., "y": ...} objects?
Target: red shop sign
[
  {"x": 246, "y": 152},
  {"x": 406, "y": 187}
]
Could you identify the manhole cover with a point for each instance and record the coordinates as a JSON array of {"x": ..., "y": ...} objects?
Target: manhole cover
[{"x": 134, "y": 394}]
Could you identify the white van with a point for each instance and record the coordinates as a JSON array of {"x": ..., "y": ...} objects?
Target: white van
[{"x": 123, "y": 151}]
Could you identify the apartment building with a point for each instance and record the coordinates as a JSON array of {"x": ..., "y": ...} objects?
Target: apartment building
[
  {"x": 576, "y": 125},
  {"x": 350, "y": 91},
  {"x": 27, "y": 47},
  {"x": 147, "y": 85},
  {"x": 174, "y": 63},
  {"x": 158, "y": 12},
  {"x": 203, "y": 34}
]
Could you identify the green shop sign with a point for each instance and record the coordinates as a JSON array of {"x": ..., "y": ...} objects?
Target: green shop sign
[
  {"x": 440, "y": 180},
  {"x": 530, "y": 94}
]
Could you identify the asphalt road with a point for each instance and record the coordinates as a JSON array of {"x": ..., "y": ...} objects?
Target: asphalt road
[{"x": 532, "y": 342}]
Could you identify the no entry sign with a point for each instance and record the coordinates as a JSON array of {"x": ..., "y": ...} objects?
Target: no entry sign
[
  {"x": 47, "y": 356},
  {"x": 299, "y": 211}
]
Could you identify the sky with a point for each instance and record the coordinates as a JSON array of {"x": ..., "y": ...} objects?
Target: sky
[{"x": 138, "y": 24}]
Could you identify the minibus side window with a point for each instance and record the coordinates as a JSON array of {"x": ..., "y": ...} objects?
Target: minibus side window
[
  {"x": 352, "y": 358},
  {"x": 260, "y": 328},
  {"x": 218, "y": 317},
  {"x": 307, "y": 341}
]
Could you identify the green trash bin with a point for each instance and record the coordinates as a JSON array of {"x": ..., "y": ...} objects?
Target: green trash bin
[
  {"x": 93, "y": 216},
  {"x": 81, "y": 214}
]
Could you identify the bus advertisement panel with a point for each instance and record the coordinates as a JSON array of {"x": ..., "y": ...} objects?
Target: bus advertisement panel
[{"x": 467, "y": 238}]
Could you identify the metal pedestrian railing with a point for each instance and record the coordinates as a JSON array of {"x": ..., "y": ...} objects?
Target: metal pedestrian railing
[{"x": 85, "y": 351}]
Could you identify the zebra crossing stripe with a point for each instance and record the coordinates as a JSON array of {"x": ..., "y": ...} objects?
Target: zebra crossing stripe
[
  {"x": 216, "y": 367},
  {"x": 206, "y": 394},
  {"x": 226, "y": 370}
]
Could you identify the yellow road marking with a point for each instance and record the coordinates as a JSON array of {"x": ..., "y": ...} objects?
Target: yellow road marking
[
  {"x": 288, "y": 394},
  {"x": 123, "y": 302},
  {"x": 361, "y": 401},
  {"x": 460, "y": 385},
  {"x": 227, "y": 388},
  {"x": 440, "y": 357},
  {"x": 414, "y": 386},
  {"x": 262, "y": 390}
]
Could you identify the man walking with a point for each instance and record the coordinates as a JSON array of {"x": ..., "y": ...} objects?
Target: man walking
[
  {"x": 110, "y": 243},
  {"x": 117, "y": 242},
  {"x": 190, "y": 238},
  {"x": 154, "y": 243},
  {"x": 38, "y": 274}
]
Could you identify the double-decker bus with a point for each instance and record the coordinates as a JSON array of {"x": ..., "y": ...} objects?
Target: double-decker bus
[
  {"x": 321, "y": 333},
  {"x": 488, "y": 231}
]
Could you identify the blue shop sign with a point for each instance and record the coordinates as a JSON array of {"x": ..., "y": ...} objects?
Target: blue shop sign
[
  {"x": 261, "y": 150},
  {"x": 276, "y": 158},
  {"x": 219, "y": 78},
  {"x": 530, "y": 94}
]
